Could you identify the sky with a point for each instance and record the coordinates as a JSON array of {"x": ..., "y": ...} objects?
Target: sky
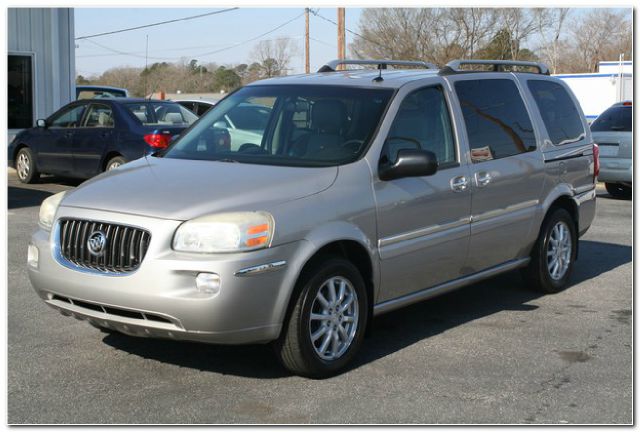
[{"x": 193, "y": 38}]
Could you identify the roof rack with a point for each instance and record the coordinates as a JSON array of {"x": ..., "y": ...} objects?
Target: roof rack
[
  {"x": 381, "y": 64},
  {"x": 498, "y": 66}
]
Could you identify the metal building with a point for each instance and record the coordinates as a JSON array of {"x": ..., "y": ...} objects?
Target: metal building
[{"x": 41, "y": 64}]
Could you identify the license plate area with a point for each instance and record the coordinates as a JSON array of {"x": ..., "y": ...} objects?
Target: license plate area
[{"x": 609, "y": 150}]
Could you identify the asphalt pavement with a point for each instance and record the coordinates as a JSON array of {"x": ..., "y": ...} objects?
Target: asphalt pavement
[{"x": 492, "y": 352}]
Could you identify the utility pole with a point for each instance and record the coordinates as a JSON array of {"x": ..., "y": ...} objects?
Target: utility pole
[
  {"x": 307, "y": 69},
  {"x": 146, "y": 62},
  {"x": 341, "y": 47}
]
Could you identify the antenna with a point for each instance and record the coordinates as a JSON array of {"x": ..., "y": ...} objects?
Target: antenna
[{"x": 379, "y": 77}]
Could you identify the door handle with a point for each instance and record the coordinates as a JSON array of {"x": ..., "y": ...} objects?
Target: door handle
[
  {"x": 459, "y": 184},
  {"x": 483, "y": 178}
]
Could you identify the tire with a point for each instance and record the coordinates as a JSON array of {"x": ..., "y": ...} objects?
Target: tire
[
  {"x": 295, "y": 348},
  {"x": 542, "y": 274},
  {"x": 26, "y": 166},
  {"x": 114, "y": 163},
  {"x": 618, "y": 190}
]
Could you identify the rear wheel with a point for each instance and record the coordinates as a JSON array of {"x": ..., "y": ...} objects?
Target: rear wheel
[
  {"x": 26, "y": 166},
  {"x": 553, "y": 254},
  {"x": 115, "y": 163},
  {"x": 328, "y": 321},
  {"x": 618, "y": 190}
]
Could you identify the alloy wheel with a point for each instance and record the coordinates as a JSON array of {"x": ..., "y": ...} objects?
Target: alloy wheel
[
  {"x": 559, "y": 251},
  {"x": 334, "y": 318}
]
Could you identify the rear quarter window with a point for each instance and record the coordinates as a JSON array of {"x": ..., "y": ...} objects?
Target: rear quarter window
[
  {"x": 559, "y": 114},
  {"x": 615, "y": 119}
]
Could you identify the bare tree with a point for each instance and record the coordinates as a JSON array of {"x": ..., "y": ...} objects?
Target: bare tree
[
  {"x": 520, "y": 23},
  {"x": 274, "y": 56},
  {"x": 601, "y": 35},
  {"x": 549, "y": 26}
]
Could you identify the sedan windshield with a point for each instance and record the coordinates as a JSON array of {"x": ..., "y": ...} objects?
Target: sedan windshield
[{"x": 286, "y": 125}]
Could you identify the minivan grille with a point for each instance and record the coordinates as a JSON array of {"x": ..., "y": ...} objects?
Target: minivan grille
[{"x": 122, "y": 251}]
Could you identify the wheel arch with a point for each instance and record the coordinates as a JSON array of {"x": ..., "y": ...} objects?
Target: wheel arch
[
  {"x": 110, "y": 155},
  {"x": 562, "y": 197},
  {"x": 347, "y": 242}
]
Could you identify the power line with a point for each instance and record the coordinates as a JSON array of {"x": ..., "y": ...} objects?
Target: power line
[
  {"x": 252, "y": 39},
  {"x": 315, "y": 13},
  {"x": 157, "y": 24}
]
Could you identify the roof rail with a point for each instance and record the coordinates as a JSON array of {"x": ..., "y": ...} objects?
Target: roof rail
[
  {"x": 381, "y": 64},
  {"x": 454, "y": 66}
]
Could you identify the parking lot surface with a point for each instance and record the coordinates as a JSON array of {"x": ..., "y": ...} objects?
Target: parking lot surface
[{"x": 489, "y": 353}]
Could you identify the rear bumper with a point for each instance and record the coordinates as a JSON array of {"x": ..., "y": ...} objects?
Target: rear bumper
[
  {"x": 586, "y": 203},
  {"x": 616, "y": 170}
]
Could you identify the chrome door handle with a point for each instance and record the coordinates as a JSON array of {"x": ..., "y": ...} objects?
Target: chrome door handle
[
  {"x": 483, "y": 179},
  {"x": 459, "y": 184}
]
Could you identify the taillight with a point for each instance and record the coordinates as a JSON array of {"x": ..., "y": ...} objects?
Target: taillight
[
  {"x": 596, "y": 162},
  {"x": 158, "y": 140}
]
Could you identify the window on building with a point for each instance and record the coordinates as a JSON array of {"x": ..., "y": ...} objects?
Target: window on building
[
  {"x": 559, "y": 113},
  {"x": 20, "y": 92},
  {"x": 497, "y": 121}
]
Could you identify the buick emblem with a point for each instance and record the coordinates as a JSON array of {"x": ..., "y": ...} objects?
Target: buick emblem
[{"x": 96, "y": 243}]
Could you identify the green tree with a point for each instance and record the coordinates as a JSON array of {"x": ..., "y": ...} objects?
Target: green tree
[{"x": 226, "y": 79}]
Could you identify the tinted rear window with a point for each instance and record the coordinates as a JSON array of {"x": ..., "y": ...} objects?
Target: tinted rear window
[
  {"x": 615, "y": 119},
  {"x": 559, "y": 114},
  {"x": 497, "y": 121}
]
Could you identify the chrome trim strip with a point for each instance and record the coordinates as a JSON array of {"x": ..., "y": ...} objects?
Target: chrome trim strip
[
  {"x": 578, "y": 151},
  {"x": 390, "y": 305},
  {"x": 259, "y": 269},
  {"x": 421, "y": 232},
  {"x": 501, "y": 212},
  {"x": 585, "y": 196}
]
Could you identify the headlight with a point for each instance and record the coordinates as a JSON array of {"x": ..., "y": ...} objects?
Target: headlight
[
  {"x": 48, "y": 210},
  {"x": 225, "y": 232}
]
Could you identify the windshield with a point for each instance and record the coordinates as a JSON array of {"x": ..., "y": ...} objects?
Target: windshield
[
  {"x": 615, "y": 119},
  {"x": 286, "y": 125},
  {"x": 161, "y": 113}
]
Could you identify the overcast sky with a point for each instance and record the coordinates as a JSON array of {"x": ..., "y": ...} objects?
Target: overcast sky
[{"x": 193, "y": 38}]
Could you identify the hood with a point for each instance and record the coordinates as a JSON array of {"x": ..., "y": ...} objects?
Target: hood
[{"x": 181, "y": 189}]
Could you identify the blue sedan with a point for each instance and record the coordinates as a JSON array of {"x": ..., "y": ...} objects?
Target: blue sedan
[{"x": 87, "y": 137}]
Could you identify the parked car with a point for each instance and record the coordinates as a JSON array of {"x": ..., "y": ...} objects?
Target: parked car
[
  {"x": 98, "y": 92},
  {"x": 369, "y": 191},
  {"x": 87, "y": 137},
  {"x": 613, "y": 132},
  {"x": 196, "y": 106},
  {"x": 241, "y": 121}
]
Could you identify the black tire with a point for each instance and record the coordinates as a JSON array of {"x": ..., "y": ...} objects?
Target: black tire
[
  {"x": 537, "y": 274},
  {"x": 25, "y": 166},
  {"x": 294, "y": 348},
  {"x": 114, "y": 163},
  {"x": 618, "y": 190}
]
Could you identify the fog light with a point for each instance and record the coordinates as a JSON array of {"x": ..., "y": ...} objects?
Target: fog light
[
  {"x": 32, "y": 256},
  {"x": 208, "y": 283}
]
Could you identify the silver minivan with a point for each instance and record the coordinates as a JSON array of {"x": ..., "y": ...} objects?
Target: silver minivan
[{"x": 368, "y": 190}]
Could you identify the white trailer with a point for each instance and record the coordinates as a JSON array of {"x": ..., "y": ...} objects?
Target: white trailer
[{"x": 598, "y": 91}]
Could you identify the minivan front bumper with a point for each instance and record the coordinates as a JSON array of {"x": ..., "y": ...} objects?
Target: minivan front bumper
[{"x": 160, "y": 298}]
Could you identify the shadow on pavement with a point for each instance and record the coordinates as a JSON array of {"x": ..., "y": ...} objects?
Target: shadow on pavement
[
  {"x": 391, "y": 332},
  {"x": 22, "y": 197}
]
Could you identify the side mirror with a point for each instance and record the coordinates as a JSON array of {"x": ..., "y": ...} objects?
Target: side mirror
[
  {"x": 409, "y": 163},
  {"x": 41, "y": 123},
  {"x": 220, "y": 124}
]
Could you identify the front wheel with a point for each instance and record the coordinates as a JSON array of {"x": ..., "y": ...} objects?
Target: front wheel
[
  {"x": 328, "y": 321},
  {"x": 553, "y": 254}
]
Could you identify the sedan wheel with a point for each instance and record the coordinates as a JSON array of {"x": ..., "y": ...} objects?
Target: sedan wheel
[{"x": 25, "y": 166}]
